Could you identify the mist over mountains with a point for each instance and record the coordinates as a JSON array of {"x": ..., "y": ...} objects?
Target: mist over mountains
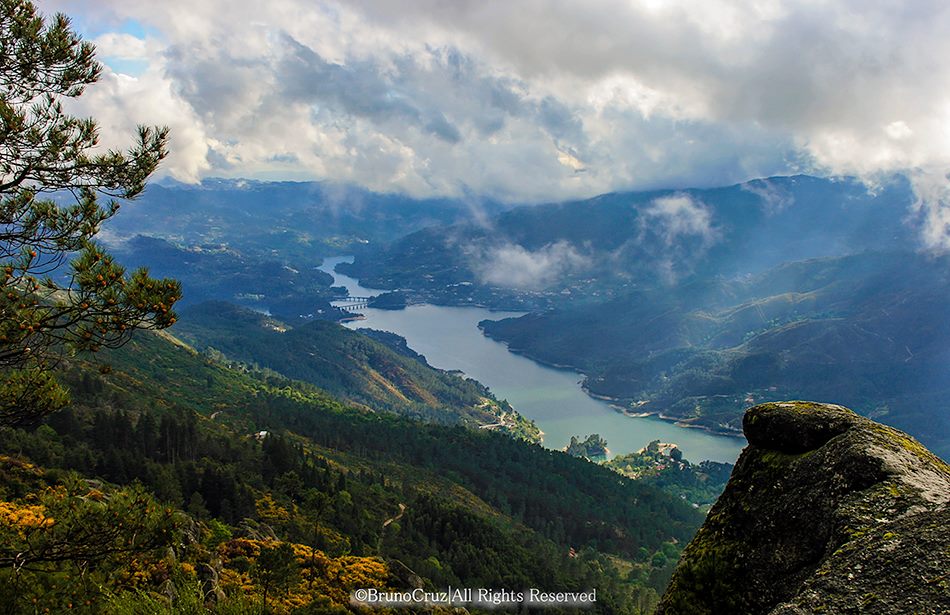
[
  {"x": 288, "y": 218},
  {"x": 688, "y": 303},
  {"x": 603, "y": 223},
  {"x": 655, "y": 237},
  {"x": 692, "y": 303}
]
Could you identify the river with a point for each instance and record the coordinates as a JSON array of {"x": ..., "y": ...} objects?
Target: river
[{"x": 553, "y": 398}]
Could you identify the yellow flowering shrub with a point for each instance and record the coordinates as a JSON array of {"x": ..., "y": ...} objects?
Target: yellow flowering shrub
[
  {"x": 324, "y": 578},
  {"x": 20, "y": 518},
  {"x": 270, "y": 511}
]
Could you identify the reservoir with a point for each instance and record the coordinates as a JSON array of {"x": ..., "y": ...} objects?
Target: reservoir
[{"x": 553, "y": 398}]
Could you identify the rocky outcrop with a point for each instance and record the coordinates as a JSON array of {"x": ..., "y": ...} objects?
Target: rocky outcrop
[{"x": 825, "y": 512}]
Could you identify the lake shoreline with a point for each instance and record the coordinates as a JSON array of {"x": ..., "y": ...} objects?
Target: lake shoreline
[
  {"x": 551, "y": 396},
  {"x": 614, "y": 402}
]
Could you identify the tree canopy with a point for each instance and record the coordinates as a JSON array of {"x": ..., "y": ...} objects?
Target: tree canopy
[{"x": 59, "y": 290}]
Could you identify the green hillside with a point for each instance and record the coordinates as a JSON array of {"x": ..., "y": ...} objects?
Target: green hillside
[
  {"x": 348, "y": 365},
  {"x": 220, "y": 271},
  {"x": 604, "y": 247},
  {"x": 867, "y": 330},
  {"x": 352, "y": 497}
]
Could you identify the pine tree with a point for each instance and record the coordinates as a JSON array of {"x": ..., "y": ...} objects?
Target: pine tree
[
  {"x": 275, "y": 570},
  {"x": 59, "y": 290}
]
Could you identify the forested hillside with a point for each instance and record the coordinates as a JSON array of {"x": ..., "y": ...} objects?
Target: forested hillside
[
  {"x": 291, "y": 220},
  {"x": 867, "y": 330},
  {"x": 253, "y": 484},
  {"x": 603, "y": 247},
  {"x": 349, "y": 365},
  {"x": 219, "y": 271}
]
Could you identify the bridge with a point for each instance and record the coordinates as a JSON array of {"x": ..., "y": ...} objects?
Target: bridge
[{"x": 351, "y": 304}]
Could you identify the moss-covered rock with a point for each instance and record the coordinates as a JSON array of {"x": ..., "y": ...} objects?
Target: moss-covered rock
[
  {"x": 825, "y": 512},
  {"x": 795, "y": 427}
]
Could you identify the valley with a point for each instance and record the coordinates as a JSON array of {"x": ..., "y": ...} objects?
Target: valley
[
  {"x": 449, "y": 338},
  {"x": 284, "y": 411},
  {"x": 695, "y": 304},
  {"x": 329, "y": 308}
]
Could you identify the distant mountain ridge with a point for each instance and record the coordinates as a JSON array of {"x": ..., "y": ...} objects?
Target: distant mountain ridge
[
  {"x": 596, "y": 247},
  {"x": 258, "y": 243},
  {"x": 867, "y": 330},
  {"x": 693, "y": 303},
  {"x": 292, "y": 219}
]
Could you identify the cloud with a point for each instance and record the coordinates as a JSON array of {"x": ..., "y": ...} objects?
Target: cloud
[
  {"x": 121, "y": 102},
  {"x": 682, "y": 230},
  {"x": 542, "y": 100},
  {"x": 511, "y": 265},
  {"x": 932, "y": 208},
  {"x": 680, "y": 217},
  {"x": 773, "y": 197},
  {"x": 121, "y": 45}
]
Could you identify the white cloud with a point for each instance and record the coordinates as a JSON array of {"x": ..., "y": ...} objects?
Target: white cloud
[
  {"x": 684, "y": 230},
  {"x": 933, "y": 208},
  {"x": 512, "y": 100},
  {"x": 122, "y": 46},
  {"x": 121, "y": 102},
  {"x": 772, "y": 197},
  {"x": 680, "y": 216},
  {"x": 513, "y": 266}
]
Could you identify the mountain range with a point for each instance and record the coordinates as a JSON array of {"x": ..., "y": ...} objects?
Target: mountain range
[
  {"x": 692, "y": 304},
  {"x": 260, "y": 450}
]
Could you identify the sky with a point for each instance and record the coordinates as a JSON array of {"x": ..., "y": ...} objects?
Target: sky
[{"x": 532, "y": 100}]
